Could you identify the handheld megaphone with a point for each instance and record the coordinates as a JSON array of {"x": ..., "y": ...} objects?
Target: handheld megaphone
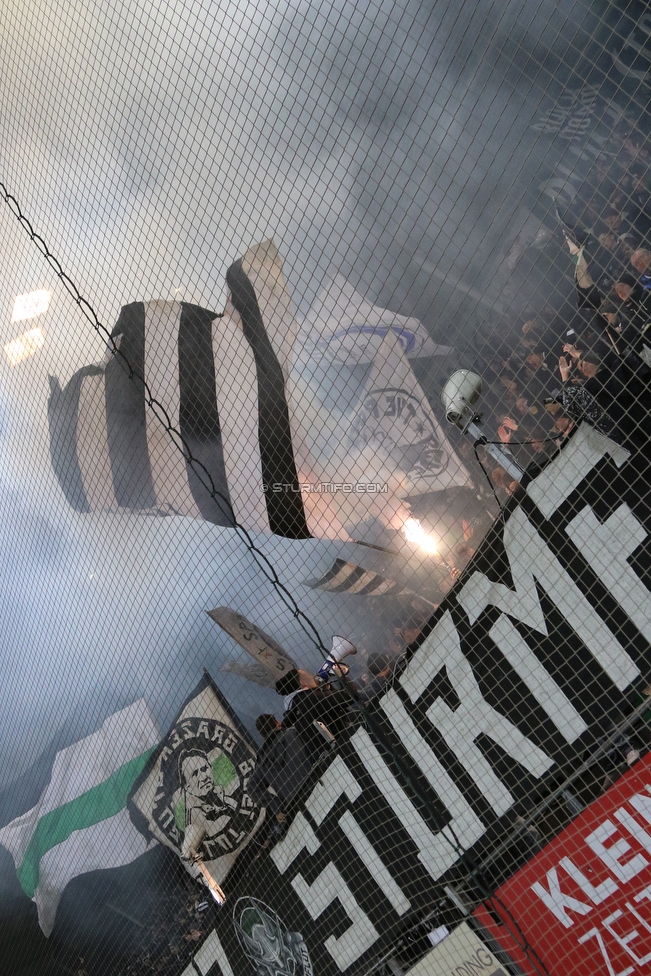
[
  {"x": 341, "y": 648},
  {"x": 332, "y": 666}
]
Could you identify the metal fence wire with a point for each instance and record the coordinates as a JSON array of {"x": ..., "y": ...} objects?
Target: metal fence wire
[{"x": 325, "y": 488}]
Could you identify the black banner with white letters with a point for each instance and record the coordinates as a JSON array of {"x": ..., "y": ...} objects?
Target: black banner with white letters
[{"x": 539, "y": 648}]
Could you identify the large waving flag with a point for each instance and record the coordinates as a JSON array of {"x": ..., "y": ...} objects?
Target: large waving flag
[
  {"x": 221, "y": 382},
  {"x": 394, "y": 416},
  {"x": 81, "y": 822},
  {"x": 246, "y": 425}
]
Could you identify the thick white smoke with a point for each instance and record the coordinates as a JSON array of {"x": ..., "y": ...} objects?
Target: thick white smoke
[{"x": 151, "y": 144}]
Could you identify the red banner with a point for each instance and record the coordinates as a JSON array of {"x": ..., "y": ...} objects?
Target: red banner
[{"x": 583, "y": 904}]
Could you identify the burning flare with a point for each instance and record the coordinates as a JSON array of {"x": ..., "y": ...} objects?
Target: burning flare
[{"x": 414, "y": 532}]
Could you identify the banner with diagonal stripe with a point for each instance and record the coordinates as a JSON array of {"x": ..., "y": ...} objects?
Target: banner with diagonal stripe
[{"x": 81, "y": 823}]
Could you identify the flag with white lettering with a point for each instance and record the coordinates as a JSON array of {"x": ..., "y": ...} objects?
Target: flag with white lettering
[
  {"x": 192, "y": 795},
  {"x": 583, "y": 903},
  {"x": 492, "y": 700}
]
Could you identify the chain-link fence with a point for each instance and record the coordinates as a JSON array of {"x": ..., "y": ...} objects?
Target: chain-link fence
[{"x": 324, "y": 487}]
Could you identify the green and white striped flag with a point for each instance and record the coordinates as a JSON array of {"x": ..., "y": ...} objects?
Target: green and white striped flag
[{"x": 81, "y": 823}]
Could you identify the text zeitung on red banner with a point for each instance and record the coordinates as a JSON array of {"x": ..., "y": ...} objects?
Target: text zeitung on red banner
[{"x": 584, "y": 902}]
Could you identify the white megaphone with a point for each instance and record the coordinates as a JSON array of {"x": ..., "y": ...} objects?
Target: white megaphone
[
  {"x": 341, "y": 648},
  {"x": 332, "y": 666}
]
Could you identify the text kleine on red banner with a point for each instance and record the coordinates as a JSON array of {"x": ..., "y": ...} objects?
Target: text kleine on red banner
[{"x": 584, "y": 902}]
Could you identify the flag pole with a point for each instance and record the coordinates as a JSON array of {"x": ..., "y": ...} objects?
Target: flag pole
[{"x": 213, "y": 887}]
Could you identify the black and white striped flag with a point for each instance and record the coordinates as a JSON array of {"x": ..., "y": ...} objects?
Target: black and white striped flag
[
  {"x": 222, "y": 383},
  {"x": 345, "y": 577}
]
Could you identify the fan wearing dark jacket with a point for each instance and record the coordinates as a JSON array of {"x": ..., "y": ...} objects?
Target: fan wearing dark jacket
[
  {"x": 282, "y": 765},
  {"x": 611, "y": 399},
  {"x": 306, "y": 702}
]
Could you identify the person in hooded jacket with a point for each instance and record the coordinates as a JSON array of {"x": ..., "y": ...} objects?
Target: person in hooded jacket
[
  {"x": 628, "y": 341},
  {"x": 636, "y": 299},
  {"x": 305, "y": 702}
]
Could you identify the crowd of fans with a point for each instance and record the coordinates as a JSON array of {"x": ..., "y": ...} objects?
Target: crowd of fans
[
  {"x": 590, "y": 362},
  {"x": 170, "y": 931},
  {"x": 556, "y": 361}
]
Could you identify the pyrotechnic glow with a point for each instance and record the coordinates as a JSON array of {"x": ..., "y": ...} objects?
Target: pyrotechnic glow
[
  {"x": 220, "y": 899},
  {"x": 414, "y": 532},
  {"x": 31, "y": 305},
  {"x": 24, "y": 346}
]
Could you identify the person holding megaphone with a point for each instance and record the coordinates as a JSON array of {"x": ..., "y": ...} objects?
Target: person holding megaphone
[{"x": 313, "y": 704}]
